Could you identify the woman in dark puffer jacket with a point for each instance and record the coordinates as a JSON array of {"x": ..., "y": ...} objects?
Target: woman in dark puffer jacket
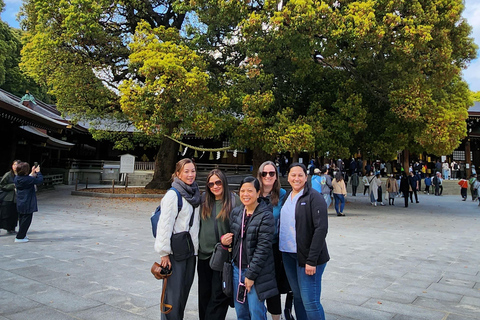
[{"x": 252, "y": 252}]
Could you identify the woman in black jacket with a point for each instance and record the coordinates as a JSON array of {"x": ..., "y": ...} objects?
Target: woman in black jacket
[
  {"x": 252, "y": 226},
  {"x": 8, "y": 207},
  {"x": 404, "y": 188},
  {"x": 303, "y": 229},
  {"x": 26, "y": 197}
]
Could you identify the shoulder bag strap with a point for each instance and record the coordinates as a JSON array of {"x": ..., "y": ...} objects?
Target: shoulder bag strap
[
  {"x": 241, "y": 246},
  {"x": 214, "y": 214}
]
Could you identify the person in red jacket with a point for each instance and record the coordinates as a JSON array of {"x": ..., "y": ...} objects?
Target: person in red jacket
[{"x": 464, "y": 187}]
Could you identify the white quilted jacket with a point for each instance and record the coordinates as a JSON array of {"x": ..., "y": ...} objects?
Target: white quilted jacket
[{"x": 167, "y": 225}]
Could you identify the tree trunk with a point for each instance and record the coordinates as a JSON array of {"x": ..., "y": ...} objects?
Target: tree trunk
[
  {"x": 164, "y": 165},
  {"x": 406, "y": 161},
  {"x": 259, "y": 157}
]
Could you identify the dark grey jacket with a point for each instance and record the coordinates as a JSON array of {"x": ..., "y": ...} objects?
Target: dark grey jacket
[
  {"x": 311, "y": 225},
  {"x": 259, "y": 237}
]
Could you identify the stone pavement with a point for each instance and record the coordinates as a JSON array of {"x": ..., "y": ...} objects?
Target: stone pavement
[{"x": 90, "y": 258}]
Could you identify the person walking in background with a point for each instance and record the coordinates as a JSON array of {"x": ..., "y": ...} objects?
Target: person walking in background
[
  {"x": 339, "y": 193},
  {"x": 217, "y": 203},
  {"x": 273, "y": 194},
  {"x": 378, "y": 181},
  {"x": 26, "y": 196},
  {"x": 412, "y": 180},
  {"x": 8, "y": 206},
  {"x": 405, "y": 188},
  {"x": 355, "y": 181},
  {"x": 471, "y": 182},
  {"x": 392, "y": 189},
  {"x": 418, "y": 177},
  {"x": 252, "y": 227},
  {"x": 172, "y": 222},
  {"x": 366, "y": 183},
  {"x": 372, "y": 180},
  {"x": 463, "y": 188},
  {"x": 324, "y": 183},
  {"x": 454, "y": 169},
  {"x": 428, "y": 183},
  {"x": 437, "y": 183},
  {"x": 303, "y": 232}
]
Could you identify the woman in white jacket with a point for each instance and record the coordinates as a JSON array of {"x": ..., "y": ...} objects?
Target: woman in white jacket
[{"x": 171, "y": 222}]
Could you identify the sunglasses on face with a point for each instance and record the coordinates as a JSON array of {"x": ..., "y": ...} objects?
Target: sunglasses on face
[
  {"x": 270, "y": 173},
  {"x": 217, "y": 183}
]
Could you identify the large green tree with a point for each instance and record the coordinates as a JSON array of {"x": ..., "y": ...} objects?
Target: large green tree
[
  {"x": 326, "y": 76},
  {"x": 11, "y": 78}
]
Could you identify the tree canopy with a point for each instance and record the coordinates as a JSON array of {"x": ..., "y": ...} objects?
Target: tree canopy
[
  {"x": 299, "y": 75},
  {"x": 11, "y": 77}
]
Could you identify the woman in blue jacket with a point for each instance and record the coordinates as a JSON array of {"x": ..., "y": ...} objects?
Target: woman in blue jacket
[
  {"x": 26, "y": 197},
  {"x": 303, "y": 229}
]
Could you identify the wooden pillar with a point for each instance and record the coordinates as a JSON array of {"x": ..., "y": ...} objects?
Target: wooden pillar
[
  {"x": 406, "y": 160},
  {"x": 468, "y": 160}
]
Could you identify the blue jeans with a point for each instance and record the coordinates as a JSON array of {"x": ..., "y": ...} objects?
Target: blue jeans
[
  {"x": 372, "y": 197},
  {"x": 252, "y": 308},
  {"x": 339, "y": 202},
  {"x": 306, "y": 289}
]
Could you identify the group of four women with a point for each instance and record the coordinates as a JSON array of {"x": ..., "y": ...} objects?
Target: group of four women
[{"x": 271, "y": 233}]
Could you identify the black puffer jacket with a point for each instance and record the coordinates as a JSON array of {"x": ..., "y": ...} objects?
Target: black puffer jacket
[
  {"x": 311, "y": 225},
  {"x": 259, "y": 237}
]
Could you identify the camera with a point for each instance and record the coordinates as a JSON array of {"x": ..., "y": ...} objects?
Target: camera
[
  {"x": 241, "y": 292},
  {"x": 165, "y": 271},
  {"x": 35, "y": 164}
]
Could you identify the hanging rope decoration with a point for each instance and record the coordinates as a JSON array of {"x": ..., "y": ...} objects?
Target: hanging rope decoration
[{"x": 211, "y": 150}]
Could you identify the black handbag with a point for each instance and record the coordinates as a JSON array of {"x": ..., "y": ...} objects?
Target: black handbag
[
  {"x": 227, "y": 279},
  {"x": 219, "y": 256},
  {"x": 220, "y": 253},
  {"x": 182, "y": 244}
]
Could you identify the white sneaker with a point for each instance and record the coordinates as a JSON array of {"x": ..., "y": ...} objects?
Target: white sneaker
[{"x": 21, "y": 240}]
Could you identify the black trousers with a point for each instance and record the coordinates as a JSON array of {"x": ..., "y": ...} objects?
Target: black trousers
[
  {"x": 212, "y": 303},
  {"x": 463, "y": 192},
  {"x": 25, "y": 222},
  {"x": 365, "y": 189},
  {"x": 438, "y": 190},
  {"x": 405, "y": 197},
  {"x": 354, "y": 190},
  {"x": 178, "y": 287},
  {"x": 8, "y": 215},
  {"x": 379, "y": 194},
  {"x": 416, "y": 196}
]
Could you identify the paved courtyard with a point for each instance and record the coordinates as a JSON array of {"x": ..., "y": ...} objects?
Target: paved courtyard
[{"x": 90, "y": 258}]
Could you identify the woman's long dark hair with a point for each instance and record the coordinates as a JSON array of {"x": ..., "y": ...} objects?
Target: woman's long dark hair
[
  {"x": 275, "y": 193},
  {"x": 210, "y": 197},
  {"x": 13, "y": 162}
]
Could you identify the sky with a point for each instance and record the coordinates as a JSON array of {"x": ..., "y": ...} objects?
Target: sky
[{"x": 471, "y": 13}]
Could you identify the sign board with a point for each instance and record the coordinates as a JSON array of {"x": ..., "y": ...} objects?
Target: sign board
[{"x": 127, "y": 163}]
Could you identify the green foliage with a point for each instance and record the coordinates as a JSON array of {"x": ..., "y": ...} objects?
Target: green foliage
[
  {"x": 11, "y": 78},
  {"x": 377, "y": 75},
  {"x": 476, "y": 96}
]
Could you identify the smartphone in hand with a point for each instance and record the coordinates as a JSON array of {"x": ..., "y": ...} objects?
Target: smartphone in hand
[{"x": 241, "y": 292}]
